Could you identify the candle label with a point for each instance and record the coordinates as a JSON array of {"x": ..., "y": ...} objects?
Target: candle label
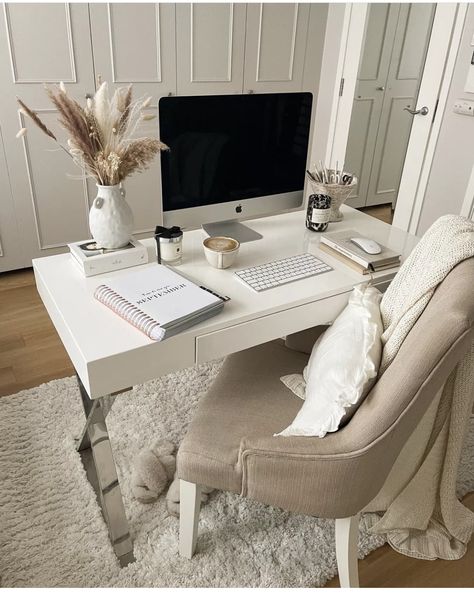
[{"x": 320, "y": 215}]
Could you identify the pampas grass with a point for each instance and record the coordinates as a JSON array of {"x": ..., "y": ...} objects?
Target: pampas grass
[
  {"x": 103, "y": 138},
  {"x": 36, "y": 119}
]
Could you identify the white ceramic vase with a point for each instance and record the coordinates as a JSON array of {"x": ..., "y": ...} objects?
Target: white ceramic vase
[{"x": 110, "y": 217}]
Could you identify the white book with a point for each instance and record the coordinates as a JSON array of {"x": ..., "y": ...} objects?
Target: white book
[
  {"x": 159, "y": 301},
  {"x": 341, "y": 242},
  {"x": 92, "y": 260}
]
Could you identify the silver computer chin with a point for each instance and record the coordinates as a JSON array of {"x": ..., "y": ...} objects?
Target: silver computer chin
[{"x": 222, "y": 219}]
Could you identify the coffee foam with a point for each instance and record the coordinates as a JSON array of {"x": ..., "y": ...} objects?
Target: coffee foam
[{"x": 221, "y": 243}]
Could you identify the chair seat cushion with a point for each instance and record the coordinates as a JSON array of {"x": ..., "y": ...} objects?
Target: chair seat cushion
[{"x": 246, "y": 398}]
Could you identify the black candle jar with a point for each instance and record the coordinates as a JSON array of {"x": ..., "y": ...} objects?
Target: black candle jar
[{"x": 318, "y": 212}]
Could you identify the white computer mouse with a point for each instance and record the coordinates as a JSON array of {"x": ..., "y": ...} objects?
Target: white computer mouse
[{"x": 367, "y": 245}]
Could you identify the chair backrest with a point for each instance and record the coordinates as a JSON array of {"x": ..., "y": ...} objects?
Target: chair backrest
[{"x": 435, "y": 345}]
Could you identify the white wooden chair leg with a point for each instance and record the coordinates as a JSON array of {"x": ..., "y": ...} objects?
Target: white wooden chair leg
[
  {"x": 189, "y": 507},
  {"x": 347, "y": 533}
]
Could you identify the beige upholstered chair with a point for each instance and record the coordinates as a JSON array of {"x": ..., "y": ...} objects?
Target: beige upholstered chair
[{"x": 230, "y": 443}]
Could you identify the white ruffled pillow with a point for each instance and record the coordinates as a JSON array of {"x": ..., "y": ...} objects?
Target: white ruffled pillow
[{"x": 343, "y": 366}]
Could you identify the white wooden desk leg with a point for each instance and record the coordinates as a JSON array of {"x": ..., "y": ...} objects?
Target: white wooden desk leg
[
  {"x": 347, "y": 533},
  {"x": 189, "y": 507}
]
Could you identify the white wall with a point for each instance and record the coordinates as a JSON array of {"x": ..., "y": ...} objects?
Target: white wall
[{"x": 454, "y": 156}]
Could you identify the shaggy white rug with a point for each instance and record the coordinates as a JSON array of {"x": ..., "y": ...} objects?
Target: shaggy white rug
[{"x": 52, "y": 532}]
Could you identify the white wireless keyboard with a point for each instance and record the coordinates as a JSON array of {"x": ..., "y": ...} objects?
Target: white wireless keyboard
[{"x": 280, "y": 272}]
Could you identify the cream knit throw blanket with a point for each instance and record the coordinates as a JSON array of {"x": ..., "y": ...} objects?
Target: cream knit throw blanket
[{"x": 425, "y": 519}]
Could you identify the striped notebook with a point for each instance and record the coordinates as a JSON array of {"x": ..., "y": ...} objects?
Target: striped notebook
[{"x": 159, "y": 301}]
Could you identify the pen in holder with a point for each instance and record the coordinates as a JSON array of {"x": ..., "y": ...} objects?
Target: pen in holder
[
  {"x": 169, "y": 245},
  {"x": 336, "y": 183}
]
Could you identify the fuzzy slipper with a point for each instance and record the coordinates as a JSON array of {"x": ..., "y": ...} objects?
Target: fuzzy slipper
[
  {"x": 153, "y": 469},
  {"x": 172, "y": 497}
]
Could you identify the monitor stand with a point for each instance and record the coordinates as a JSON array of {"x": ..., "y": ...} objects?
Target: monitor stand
[{"x": 231, "y": 228}]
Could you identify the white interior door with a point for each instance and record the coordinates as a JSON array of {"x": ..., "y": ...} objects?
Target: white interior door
[
  {"x": 275, "y": 46},
  {"x": 135, "y": 43},
  {"x": 379, "y": 36},
  {"x": 401, "y": 91},
  {"x": 43, "y": 43},
  {"x": 210, "y": 47},
  {"x": 439, "y": 63},
  {"x": 396, "y": 41}
]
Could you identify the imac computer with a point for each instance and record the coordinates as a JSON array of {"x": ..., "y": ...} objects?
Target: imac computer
[{"x": 232, "y": 157}]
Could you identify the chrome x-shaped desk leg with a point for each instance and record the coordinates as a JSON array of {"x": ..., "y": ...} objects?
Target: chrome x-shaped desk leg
[{"x": 102, "y": 473}]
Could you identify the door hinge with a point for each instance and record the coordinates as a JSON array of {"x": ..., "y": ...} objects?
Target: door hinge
[
  {"x": 341, "y": 87},
  {"x": 435, "y": 110}
]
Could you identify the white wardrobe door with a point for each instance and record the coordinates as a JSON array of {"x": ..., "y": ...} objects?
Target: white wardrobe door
[
  {"x": 210, "y": 48},
  {"x": 43, "y": 43},
  {"x": 11, "y": 249},
  {"x": 135, "y": 43},
  {"x": 275, "y": 47}
]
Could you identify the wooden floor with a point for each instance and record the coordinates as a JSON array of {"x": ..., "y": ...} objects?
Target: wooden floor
[
  {"x": 383, "y": 212},
  {"x": 31, "y": 353}
]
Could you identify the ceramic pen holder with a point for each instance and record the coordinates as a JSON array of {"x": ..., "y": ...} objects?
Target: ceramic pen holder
[{"x": 338, "y": 194}]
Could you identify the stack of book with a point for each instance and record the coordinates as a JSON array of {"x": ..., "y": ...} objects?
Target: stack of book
[
  {"x": 159, "y": 301},
  {"x": 92, "y": 259},
  {"x": 340, "y": 246}
]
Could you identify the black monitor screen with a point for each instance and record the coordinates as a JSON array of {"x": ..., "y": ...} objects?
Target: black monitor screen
[{"x": 232, "y": 147}]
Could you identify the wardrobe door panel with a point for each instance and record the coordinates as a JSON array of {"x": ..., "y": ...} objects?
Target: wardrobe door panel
[
  {"x": 210, "y": 48},
  {"x": 275, "y": 46},
  {"x": 47, "y": 29},
  {"x": 12, "y": 255},
  {"x": 43, "y": 43},
  {"x": 135, "y": 44}
]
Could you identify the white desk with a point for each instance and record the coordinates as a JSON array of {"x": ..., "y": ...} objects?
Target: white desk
[{"x": 109, "y": 355}]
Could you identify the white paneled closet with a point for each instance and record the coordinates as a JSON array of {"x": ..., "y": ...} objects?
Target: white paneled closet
[{"x": 163, "y": 49}]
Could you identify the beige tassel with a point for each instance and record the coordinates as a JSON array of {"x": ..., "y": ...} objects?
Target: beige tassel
[
  {"x": 21, "y": 133},
  {"x": 148, "y": 116},
  {"x": 62, "y": 87}
]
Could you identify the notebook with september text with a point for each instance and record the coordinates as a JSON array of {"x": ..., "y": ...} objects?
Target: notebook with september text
[{"x": 159, "y": 301}]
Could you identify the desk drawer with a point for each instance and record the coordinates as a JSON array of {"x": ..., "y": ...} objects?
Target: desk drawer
[{"x": 261, "y": 330}]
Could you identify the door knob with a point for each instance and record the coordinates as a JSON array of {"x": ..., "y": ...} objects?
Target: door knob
[
  {"x": 422, "y": 111},
  {"x": 381, "y": 88}
]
